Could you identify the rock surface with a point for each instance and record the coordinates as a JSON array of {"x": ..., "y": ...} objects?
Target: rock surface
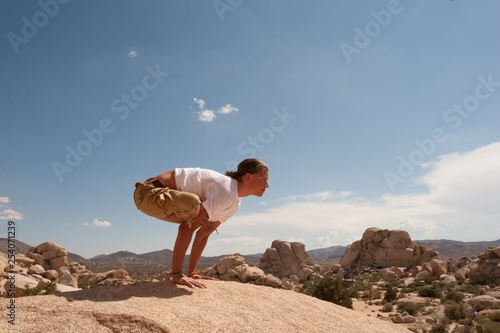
[{"x": 165, "y": 307}]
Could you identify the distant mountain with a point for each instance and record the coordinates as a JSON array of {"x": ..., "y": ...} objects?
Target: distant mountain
[
  {"x": 21, "y": 248},
  {"x": 331, "y": 252},
  {"x": 450, "y": 249},
  {"x": 163, "y": 257}
]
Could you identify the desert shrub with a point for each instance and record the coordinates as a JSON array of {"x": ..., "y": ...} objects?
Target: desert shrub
[
  {"x": 374, "y": 278},
  {"x": 408, "y": 307},
  {"x": 453, "y": 295},
  {"x": 455, "y": 311},
  {"x": 391, "y": 294},
  {"x": 387, "y": 307},
  {"x": 473, "y": 289},
  {"x": 430, "y": 279},
  {"x": 440, "y": 327},
  {"x": 85, "y": 285},
  {"x": 433, "y": 291},
  {"x": 51, "y": 288},
  {"x": 32, "y": 291},
  {"x": 467, "y": 328},
  {"x": 332, "y": 289},
  {"x": 361, "y": 285},
  {"x": 480, "y": 277},
  {"x": 495, "y": 316},
  {"x": 407, "y": 289},
  {"x": 485, "y": 325}
]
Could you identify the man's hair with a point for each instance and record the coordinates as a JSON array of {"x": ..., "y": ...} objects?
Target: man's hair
[{"x": 250, "y": 165}]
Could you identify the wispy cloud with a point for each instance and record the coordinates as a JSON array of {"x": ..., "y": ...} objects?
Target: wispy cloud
[
  {"x": 132, "y": 54},
  {"x": 228, "y": 109},
  {"x": 10, "y": 214},
  {"x": 97, "y": 223},
  {"x": 207, "y": 115},
  {"x": 4, "y": 200},
  {"x": 461, "y": 203}
]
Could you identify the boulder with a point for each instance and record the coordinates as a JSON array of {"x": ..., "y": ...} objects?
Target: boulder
[
  {"x": 47, "y": 246},
  {"x": 388, "y": 273},
  {"x": 230, "y": 262},
  {"x": 4, "y": 262},
  {"x": 21, "y": 283},
  {"x": 422, "y": 275},
  {"x": 51, "y": 275},
  {"x": 285, "y": 258},
  {"x": 438, "y": 266},
  {"x": 305, "y": 273},
  {"x": 59, "y": 262},
  {"x": 488, "y": 261},
  {"x": 450, "y": 280},
  {"x": 37, "y": 257},
  {"x": 385, "y": 248},
  {"x": 68, "y": 280},
  {"x": 247, "y": 273},
  {"x": 36, "y": 269},
  {"x": 485, "y": 302},
  {"x": 273, "y": 281},
  {"x": 460, "y": 275},
  {"x": 24, "y": 261}
]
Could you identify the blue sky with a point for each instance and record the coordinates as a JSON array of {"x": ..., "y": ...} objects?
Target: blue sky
[{"x": 380, "y": 113}]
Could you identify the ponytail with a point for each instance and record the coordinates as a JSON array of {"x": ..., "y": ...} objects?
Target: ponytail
[{"x": 250, "y": 165}]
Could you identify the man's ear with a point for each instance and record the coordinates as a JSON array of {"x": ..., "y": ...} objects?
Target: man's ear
[{"x": 248, "y": 176}]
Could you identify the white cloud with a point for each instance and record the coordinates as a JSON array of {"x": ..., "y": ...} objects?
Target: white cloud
[
  {"x": 206, "y": 115},
  {"x": 227, "y": 109},
  {"x": 320, "y": 196},
  {"x": 461, "y": 203},
  {"x": 97, "y": 223},
  {"x": 10, "y": 214},
  {"x": 132, "y": 54},
  {"x": 4, "y": 200},
  {"x": 201, "y": 103}
]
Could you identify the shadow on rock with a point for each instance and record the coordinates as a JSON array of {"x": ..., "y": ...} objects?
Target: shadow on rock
[{"x": 120, "y": 293}]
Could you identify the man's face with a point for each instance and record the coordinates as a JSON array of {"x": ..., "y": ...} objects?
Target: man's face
[{"x": 258, "y": 183}]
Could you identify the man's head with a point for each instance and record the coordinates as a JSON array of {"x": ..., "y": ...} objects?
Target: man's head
[{"x": 252, "y": 176}]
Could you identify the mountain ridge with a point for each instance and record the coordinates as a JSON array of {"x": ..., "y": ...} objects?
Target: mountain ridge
[{"x": 447, "y": 249}]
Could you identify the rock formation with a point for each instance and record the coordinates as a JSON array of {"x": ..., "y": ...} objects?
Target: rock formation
[
  {"x": 489, "y": 261},
  {"x": 284, "y": 259},
  {"x": 48, "y": 263},
  {"x": 386, "y": 248},
  {"x": 235, "y": 268}
]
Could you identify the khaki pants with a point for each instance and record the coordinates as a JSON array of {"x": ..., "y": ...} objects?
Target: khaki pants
[{"x": 163, "y": 202}]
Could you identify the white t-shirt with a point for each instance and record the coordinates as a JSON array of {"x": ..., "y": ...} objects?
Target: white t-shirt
[{"x": 220, "y": 191}]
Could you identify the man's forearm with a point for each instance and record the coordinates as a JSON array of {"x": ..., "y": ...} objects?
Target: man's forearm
[
  {"x": 181, "y": 245},
  {"x": 196, "y": 251}
]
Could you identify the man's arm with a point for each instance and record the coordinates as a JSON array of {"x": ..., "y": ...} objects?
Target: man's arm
[
  {"x": 199, "y": 243},
  {"x": 182, "y": 243}
]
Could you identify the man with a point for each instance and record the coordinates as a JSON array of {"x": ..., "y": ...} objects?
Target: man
[{"x": 198, "y": 199}]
